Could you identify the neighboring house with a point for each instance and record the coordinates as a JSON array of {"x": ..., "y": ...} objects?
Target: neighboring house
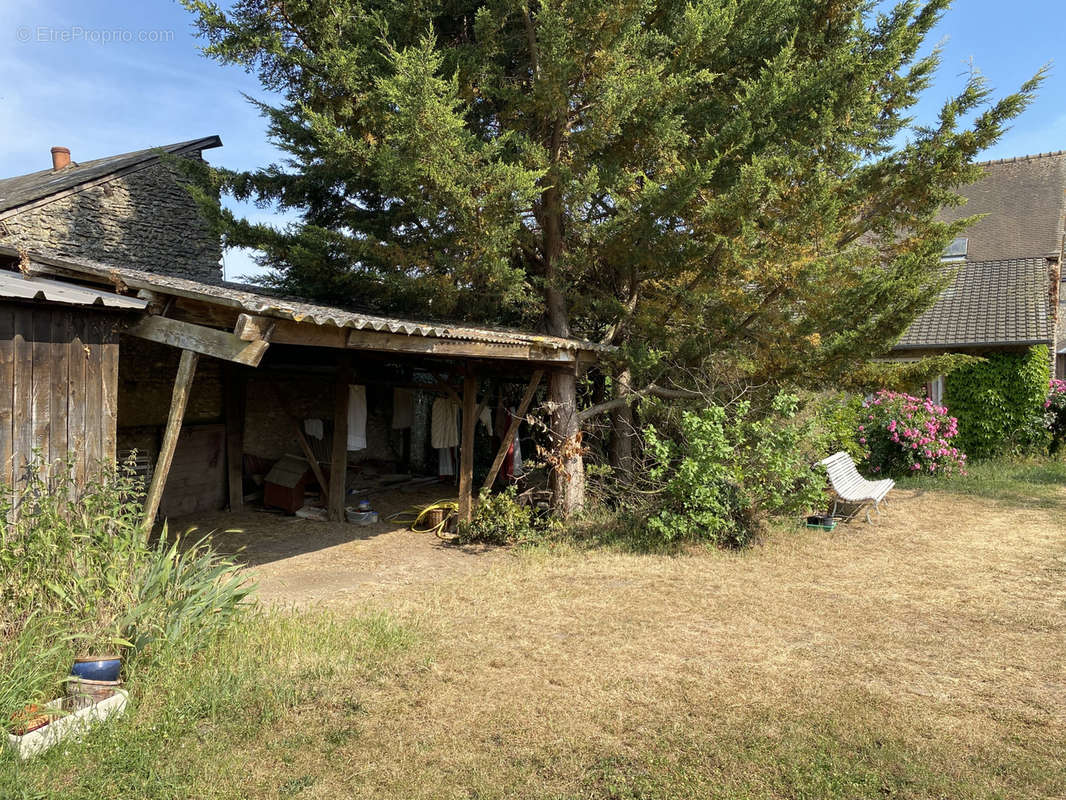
[
  {"x": 118, "y": 333},
  {"x": 1006, "y": 295}
]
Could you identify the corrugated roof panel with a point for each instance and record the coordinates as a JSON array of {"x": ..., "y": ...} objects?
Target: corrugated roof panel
[
  {"x": 17, "y": 286},
  {"x": 238, "y": 297}
]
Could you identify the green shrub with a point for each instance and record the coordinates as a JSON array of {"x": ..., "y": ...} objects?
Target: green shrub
[
  {"x": 904, "y": 435},
  {"x": 725, "y": 468},
  {"x": 999, "y": 402},
  {"x": 834, "y": 424},
  {"x": 77, "y": 574},
  {"x": 501, "y": 520}
]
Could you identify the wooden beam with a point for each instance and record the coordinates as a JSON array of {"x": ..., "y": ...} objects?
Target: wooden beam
[
  {"x": 250, "y": 328},
  {"x": 466, "y": 450},
  {"x": 512, "y": 429},
  {"x": 338, "y": 468},
  {"x": 431, "y": 345},
  {"x": 235, "y": 410},
  {"x": 178, "y": 401},
  {"x": 199, "y": 339},
  {"x": 309, "y": 454}
]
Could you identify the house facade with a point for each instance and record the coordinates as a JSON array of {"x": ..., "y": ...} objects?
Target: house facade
[{"x": 1005, "y": 295}]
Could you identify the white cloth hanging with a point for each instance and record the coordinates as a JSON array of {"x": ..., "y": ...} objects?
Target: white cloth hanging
[
  {"x": 444, "y": 461},
  {"x": 403, "y": 409},
  {"x": 486, "y": 419},
  {"x": 314, "y": 428},
  {"x": 356, "y": 417},
  {"x": 516, "y": 470},
  {"x": 444, "y": 427}
]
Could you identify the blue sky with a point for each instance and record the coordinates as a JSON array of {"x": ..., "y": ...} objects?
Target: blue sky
[{"x": 104, "y": 77}]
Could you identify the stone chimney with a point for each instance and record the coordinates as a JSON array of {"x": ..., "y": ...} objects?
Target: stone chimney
[{"x": 60, "y": 157}]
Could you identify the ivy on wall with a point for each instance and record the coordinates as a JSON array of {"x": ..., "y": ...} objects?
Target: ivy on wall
[{"x": 998, "y": 401}]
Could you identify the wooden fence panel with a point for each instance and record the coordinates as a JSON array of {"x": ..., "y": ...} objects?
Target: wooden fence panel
[{"x": 58, "y": 390}]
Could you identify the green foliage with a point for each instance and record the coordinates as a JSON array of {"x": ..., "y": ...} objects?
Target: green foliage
[
  {"x": 834, "y": 424},
  {"x": 999, "y": 402},
  {"x": 501, "y": 520},
  {"x": 708, "y": 180},
  {"x": 78, "y": 576},
  {"x": 724, "y": 468},
  {"x": 904, "y": 376}
]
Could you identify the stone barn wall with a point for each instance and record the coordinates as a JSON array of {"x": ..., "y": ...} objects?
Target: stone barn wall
[{"x": 145, "y": 219}]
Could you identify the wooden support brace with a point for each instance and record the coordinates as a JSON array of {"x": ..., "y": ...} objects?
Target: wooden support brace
[
  {"x": 309, "y": 454},
  {"x": 199, "y": 339},
  {"x": 338, "y": 468},
  {"x": 512, "y": 428},
  {"x": 178, "y": 401},
  {"x": 466, "y": 450}
]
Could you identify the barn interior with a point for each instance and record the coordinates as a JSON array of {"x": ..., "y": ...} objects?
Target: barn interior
[{"x": 231, "y": 398}]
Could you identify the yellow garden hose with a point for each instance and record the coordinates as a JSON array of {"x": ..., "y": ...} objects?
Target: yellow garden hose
[{"x": 417, "y": 516}]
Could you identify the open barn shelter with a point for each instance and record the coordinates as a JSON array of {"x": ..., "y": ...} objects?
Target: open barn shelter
[{"x": 213, "y": 385}]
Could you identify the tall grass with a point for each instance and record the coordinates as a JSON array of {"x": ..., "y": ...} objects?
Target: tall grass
[{"x": 78, "y": 576}]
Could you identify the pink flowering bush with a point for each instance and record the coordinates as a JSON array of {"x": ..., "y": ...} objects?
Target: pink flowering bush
[
  {"x": 1055, "y": 413},
  {"x": 905, "y": 435}
]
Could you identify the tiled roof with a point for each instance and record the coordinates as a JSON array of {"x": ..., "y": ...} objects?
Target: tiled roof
[
  {"x": 1025, "y": 202},
  {"x": 990, "y": 303},
  {"x": 23, "y": 189}
]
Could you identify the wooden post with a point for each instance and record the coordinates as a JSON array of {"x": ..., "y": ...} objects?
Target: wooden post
[
  {"x": 235, "y": 410},
  {"x": 466, "y": 450},
  {"x": 512, "y": 428},
  {"x": 338, "y": 467},
  {"x": 178, "y": 401}
]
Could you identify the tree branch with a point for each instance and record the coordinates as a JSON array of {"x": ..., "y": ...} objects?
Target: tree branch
[{"x": 651, "y": 390}]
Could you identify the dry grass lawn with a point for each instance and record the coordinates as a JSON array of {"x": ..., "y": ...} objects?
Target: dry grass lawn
[
  {"x": 941, "y": 632},
  {"x": 921, "y": 657}
]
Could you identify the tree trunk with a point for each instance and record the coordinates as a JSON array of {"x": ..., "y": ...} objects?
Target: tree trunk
[
  {"x": 622, "y": 426},
  {"x": 568, "y": 464}
]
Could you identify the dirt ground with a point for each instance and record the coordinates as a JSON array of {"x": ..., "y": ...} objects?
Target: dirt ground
[{"x": 301, "y": 562}]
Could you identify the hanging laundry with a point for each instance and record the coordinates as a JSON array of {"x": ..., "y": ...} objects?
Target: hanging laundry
[
  {"x": 403, "y": 409},
  {"x": 314, "y": 428},
  {"x": 357, "y": 417},
  {"x": 444, "y": 426},
  {"x": 486, "y": 419},
  {"x": 445, "y": 461}
]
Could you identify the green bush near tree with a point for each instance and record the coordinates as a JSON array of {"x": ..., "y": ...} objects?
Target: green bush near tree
[
  {"x": 999, "y": 402},
  {"x": 725, "y": 467}
]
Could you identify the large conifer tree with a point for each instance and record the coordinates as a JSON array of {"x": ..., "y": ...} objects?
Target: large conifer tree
[{"x": 724, "y": 181}]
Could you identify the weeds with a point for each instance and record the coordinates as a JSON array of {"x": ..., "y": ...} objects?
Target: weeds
[{"x": 77, "y": 575}]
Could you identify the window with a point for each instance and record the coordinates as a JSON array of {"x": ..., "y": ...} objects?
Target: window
[{"x": 934, "y": 390}]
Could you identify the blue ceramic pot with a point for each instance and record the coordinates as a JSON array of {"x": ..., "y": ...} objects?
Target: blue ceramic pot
[{"x": 102, "y": 669}]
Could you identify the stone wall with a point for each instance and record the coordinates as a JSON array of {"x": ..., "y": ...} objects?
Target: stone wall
[
  {"x": 268, "y": 433},
  {"x": 145, "y": 219}
]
